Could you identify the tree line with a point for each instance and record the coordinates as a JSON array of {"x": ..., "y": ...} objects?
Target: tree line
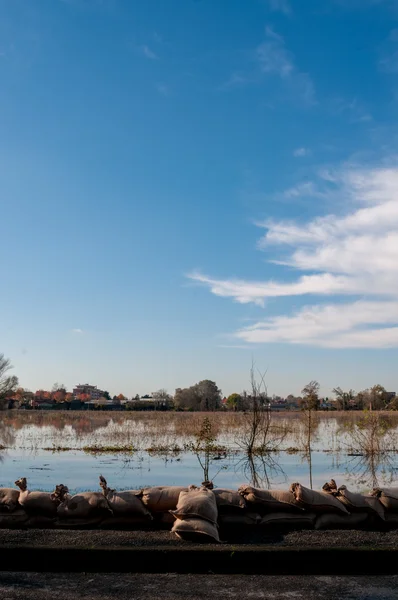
[{"x": 206, "y": 396}]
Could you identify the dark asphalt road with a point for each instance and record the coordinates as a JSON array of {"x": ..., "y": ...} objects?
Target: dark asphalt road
[{"x": 43, "y": 586}]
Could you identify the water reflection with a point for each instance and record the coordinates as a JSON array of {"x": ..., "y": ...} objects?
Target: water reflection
[
  {"x": 261, "y": 471},
  {"x": 359, "y": 448}
]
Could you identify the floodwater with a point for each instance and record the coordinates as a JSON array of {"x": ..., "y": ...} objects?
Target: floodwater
[{"x": 136, "y": 450}]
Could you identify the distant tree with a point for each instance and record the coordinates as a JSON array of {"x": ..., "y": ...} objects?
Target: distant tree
[
  {"x": 209, "y": 395},
  {"x": 162, "y": 396},
  {"x": 58, "y": 387},
  {"x": 23, "y": 396},
  {"x": 234, "y": 402},
  {"x": 393, "y": 404},
  {"x": 311, "y": 396},
  {"x": 204, "y": 396},
  {"x": 136, "y": 397},
  {"x": 343, "y": 398},
  {"x": 379, "y": 397},
  {"x": 186, "y": 399},
  {"x": 107, "y": 396},
  {"x": 8, "y": 383}
]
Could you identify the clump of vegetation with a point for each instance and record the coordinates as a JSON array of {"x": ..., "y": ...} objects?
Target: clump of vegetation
[{"x": 108, "y": 449}]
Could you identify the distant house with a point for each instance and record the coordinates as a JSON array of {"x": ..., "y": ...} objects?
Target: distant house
[{"x": 91, "y": 393}]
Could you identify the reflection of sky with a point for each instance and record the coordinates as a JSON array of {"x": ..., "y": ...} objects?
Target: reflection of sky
[{"x": 80, "y": 471}]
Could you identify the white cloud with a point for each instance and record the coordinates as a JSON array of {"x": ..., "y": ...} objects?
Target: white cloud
[
  {"x": 77, "y": 330},
  {"x": 298, "y": 152},
  {"x": 354, "y": 253},
  {"x": 148, "y": 53}
]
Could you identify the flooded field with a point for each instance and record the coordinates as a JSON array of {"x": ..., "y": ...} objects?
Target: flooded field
[{"x": 134, "y": 449}]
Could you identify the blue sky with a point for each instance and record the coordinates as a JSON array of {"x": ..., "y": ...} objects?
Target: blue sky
[{"x": 187, "y": 185}]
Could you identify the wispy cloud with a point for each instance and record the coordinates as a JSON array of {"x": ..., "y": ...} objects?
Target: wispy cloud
[
  {"x": 389, "y": 60},
  {"x": 354, "y": 253},
  {"x": 281, "y": 6},
  {"x": 298, "y": 152},
  {"x": 235, "y": 346},
  {"x": 148, "y": 53},
  {"x": 272, "y": 58},
  {"x": 77, "y": 330},
  {"x": 353, "y": 108},
  {"x": 163, "y": 89},
  {"x": 275, "y": 59}
]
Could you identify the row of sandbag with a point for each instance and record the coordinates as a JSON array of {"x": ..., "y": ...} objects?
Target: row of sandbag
[{"x": 198, "y": 512}]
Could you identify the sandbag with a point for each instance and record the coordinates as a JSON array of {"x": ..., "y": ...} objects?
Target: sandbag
[
  {"x": 36, "y": 503},
  {"x": 228, "y": 499},
  {"x": 161, "y": 498},
  {"x": 196, "y": 530},
  {"x": 391, "y": 520},
  {"x": 124, "y": 504},
  {"x": 197, "y": 503},
  {"x": 319, "y": 502},
  {"x": 40, "y": 522},
  {"x": 14, "y": 519},
  {"x": 388, "y": 497},
  {"x": 355, "y": 502},
  {"x": 83, "y": 505},
  {"x": 238, "y": 519},
  {"x": 164, "y": 520},
  {"x": 336, "y": 521},
  {"x": 270, "y": 500},
  {"x": 8, "y": 499},
  {"x": 291, "y": 520}
]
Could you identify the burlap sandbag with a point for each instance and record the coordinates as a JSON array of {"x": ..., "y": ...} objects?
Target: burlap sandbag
[
  {"x": 270, "y": 500},
  {"x": 83, "y": 505},
  {"x": 238, "y": 519},
  {"x": 124, "y": 504},
  {"x": 392, "y": 520},
  {"x": 197, "y": 503},
  {"x": 14, "y": 519},
  {"x": 36, "y": 503},
  {"x": 291, "y": 520},
  {"x": 336, "y": 521},
  {"x": 388, "y": 497},
  {"x": 161, "y": 498},
  {"x": 196, "y": 530},
  {"x": 163, "y": 520},
  {"x": 228, "y": 499},
  {"x": 40, "y": 522},
  {"x": 8, "y": 499},
  {"x": 319, "y": 502},
  {"x": 353, "y": 501}
]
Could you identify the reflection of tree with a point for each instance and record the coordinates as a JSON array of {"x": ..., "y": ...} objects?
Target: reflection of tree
[
  {"x": 260, "y": 470},
  {"x": 7, "y": 435},
  {"x": 310, "y": 424},
  {"x": 371, "y": 470},
  {"x": 371, "y": 444},
  {"x": 206, "y": 451}
]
